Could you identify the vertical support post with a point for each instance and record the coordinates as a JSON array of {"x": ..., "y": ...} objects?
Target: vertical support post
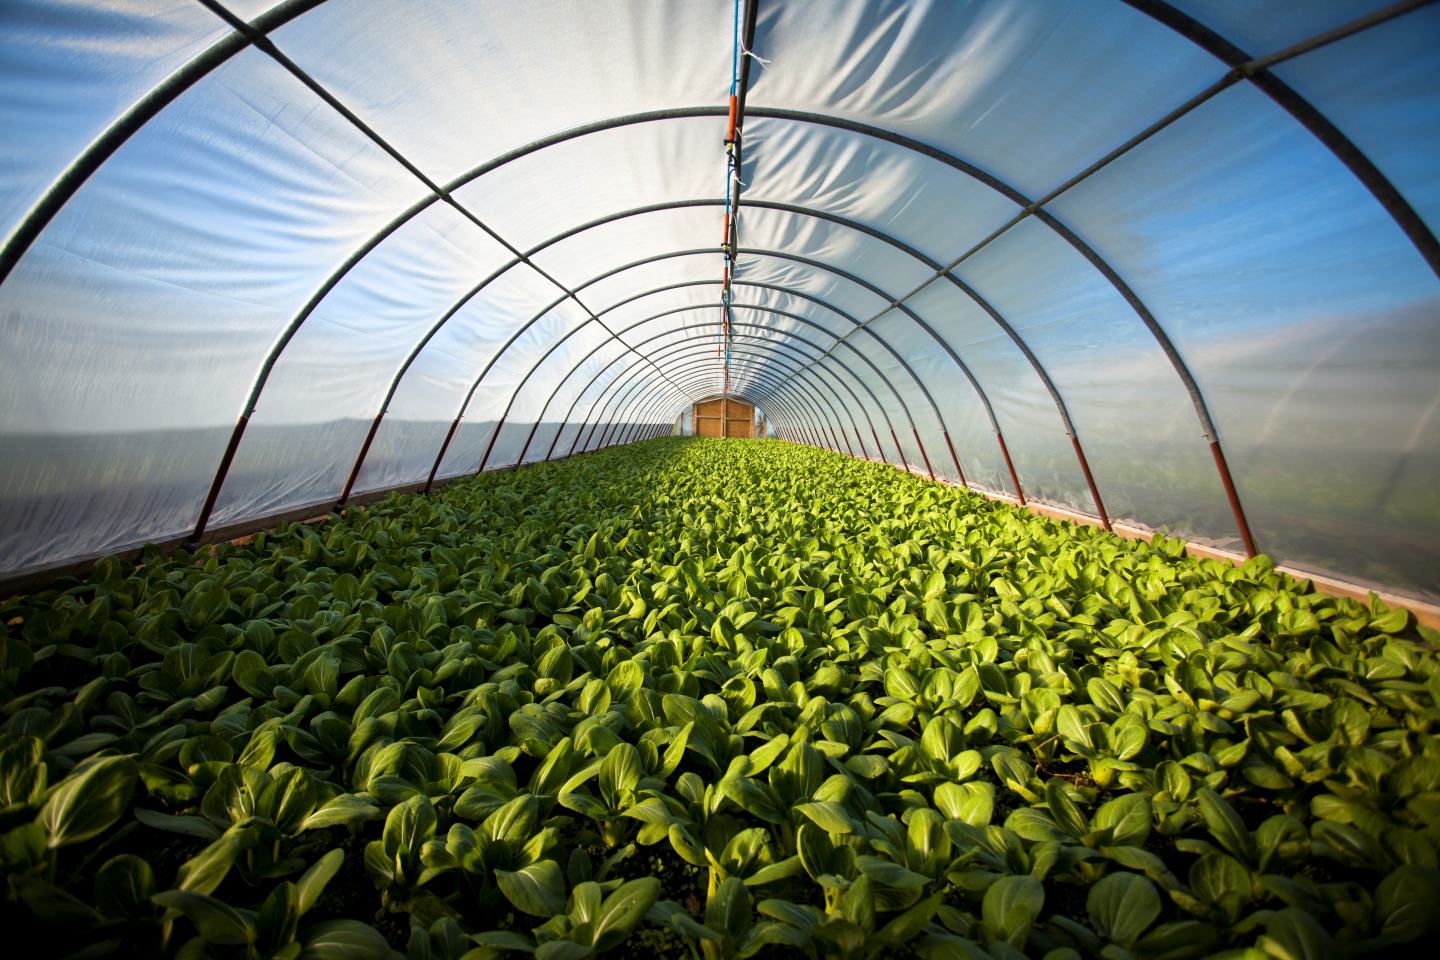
[
  {"x": 556, "y": 439},
  {"x": 1090, "y": 482},
  {"x": 490, "y": 446},
  {"x": 526, "y": 449},
  {"x": 360, "y": 460},
  {"x": 435, "y": 467},
  {"x": 589, "y": 435},
  {"x": 1233, "y": 497},
  {"x": 954, "y": 459},
  {"x": 1010, "y": 465},
  {"x": 219, "y": 481},
  {"x": 923, "y": 455}
]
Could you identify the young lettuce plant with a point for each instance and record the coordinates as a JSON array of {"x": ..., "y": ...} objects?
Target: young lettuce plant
[
  {"x": 273, "y": 931},
  {"x": 591, "y": 922}
]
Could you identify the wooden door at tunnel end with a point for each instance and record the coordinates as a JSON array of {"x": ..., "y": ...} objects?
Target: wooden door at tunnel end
[{"x": 724, "y": 417}]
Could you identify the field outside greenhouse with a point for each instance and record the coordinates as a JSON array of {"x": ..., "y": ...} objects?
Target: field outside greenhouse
[{"x": 713, "y": 699}]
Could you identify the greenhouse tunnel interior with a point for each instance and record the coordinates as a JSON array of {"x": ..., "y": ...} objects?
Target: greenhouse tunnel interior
[
  {"x": 1167, "y": 266},
  {"x": 719, "y": 479}
]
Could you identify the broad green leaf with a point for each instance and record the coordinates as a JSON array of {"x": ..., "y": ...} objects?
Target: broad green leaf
[
  {"x": 1405, "y": 903},
  {"x": 537, "y": 889},
  {"x": 971, "y": 803},
  {"x": 1225, "y": 825},
  {"x": 1011, "y": 906},
  {"x": 205, "y": 871},
  {"x": 728, "y": 910},
  {"x": 343, "y": 940},
  {"x": 87, "y": 802},
  {"x": 344, "y": 809},
  {"x": 515, "y": 822},
  {"x": 1293, "y": 934},
  {"x": 828, "y": 816},
  {"x": 1123, "y": 906},
  {"x": 216, "y": 921},
  {"x": 1127, "y": 817},
  {"x": 309, "y": 887},
  {"x": 623, "y": 910},
  {"x": 122, "y": 885}
]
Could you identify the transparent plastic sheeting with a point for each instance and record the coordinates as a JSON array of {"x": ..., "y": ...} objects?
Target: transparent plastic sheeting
[{"x": 566, "y": 294}]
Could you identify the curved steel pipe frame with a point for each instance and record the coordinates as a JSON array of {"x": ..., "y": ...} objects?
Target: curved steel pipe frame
[
  {"x": 545, "y": 408},
  {"x": 585, "y": 389},
  {"x": 634, "y": 387},
  {"x": 838, "y": 429},
  {"x": 758, "y": 308},
  {"x": 831, "y": 426},
  {"x": 748, "y": 394},
  {"x": 568, "y": 294},
  {"x": 695, "y": 380},
  {"x": 638, "y": 390},
  {"x": 805, "y": 368},
  {"x": 789, "y": 208},
  {"x": 525, "y": 259},
  {"x": 666, "y": 333},
  {"x": 1243, "y": 67},
  {"x": 816, "y": 264},
  {"x": 1257, "y": 71},
  {"x": 940, "y": 420},
  {"x": 710, "y": 282},
  {"x": 770, "y": 381},
  {"x": 764, "y": 402},
  {"x": 815, "y": 402},
  {"x": 895, "y": 303},
  {"x": 880, "y": 407},
  {"x": 752, "y": 396},
  {"x": 621, "y": 377}
]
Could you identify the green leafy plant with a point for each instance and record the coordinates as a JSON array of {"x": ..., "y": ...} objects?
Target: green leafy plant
[{"x": 717, "y": 700}]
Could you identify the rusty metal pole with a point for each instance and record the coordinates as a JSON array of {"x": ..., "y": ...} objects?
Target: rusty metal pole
[
  {"x": 899, "y": 450},
  {"x": 435, "y": 467},
  {"x": 1233, "y": 497},
  {"x": 954, "y": 459},
  {"x": 1090, "y": 482},
  {"x": 923, "y": 455},
  {"x": 876, "y": 437},
  {"x": 1010, "y": 465},
  {"x": 490, "y": 446},
  {"x": 525, "y": 449}
]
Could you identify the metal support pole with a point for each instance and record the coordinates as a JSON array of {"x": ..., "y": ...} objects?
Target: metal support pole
[
  {"x": 955, "y": 460},
  {"x": 1009, "y": 465},
  {"x": 1090, "y": 482},
  {"x": 923, "y": 455},
  {"x": 1233, "y": 497}
]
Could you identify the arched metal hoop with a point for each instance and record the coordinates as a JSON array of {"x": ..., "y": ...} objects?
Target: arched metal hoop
[
  {"x": 614, "y": 384},
  {"x": 1256, "y": 71},
  {"x": 689, "y": 308},
  {"x": 627, "y": 385},
  {"x": 801, "y": 358}
]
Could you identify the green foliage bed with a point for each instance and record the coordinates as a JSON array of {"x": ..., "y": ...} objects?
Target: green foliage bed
[{"x": 714, "y": 699}]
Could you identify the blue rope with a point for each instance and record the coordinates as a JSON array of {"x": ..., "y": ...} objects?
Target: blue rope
[{"x": 735, "y": 52}]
